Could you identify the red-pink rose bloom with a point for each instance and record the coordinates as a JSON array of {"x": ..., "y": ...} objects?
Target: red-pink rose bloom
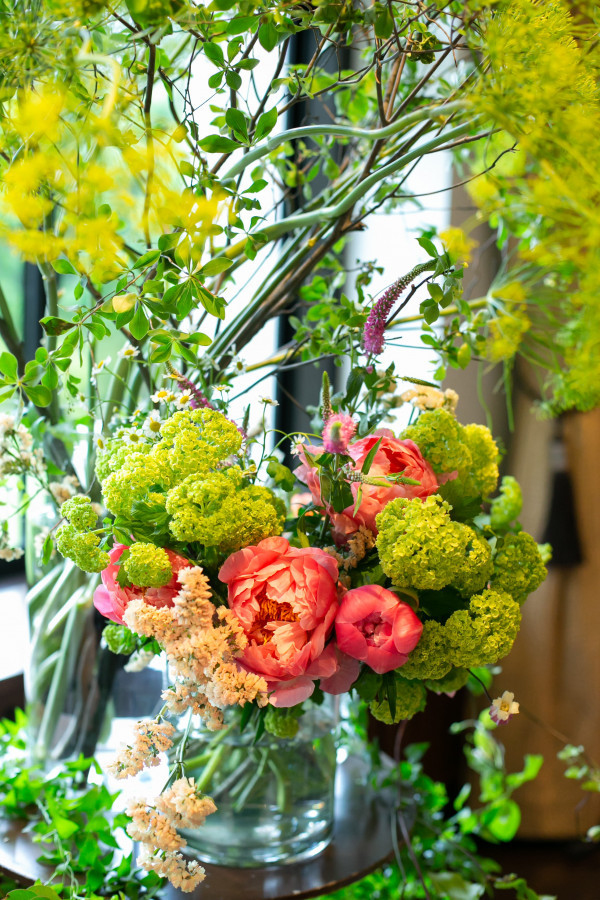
[
  {"x": 286, "y": 600},
  {"x": 111, "y": 599},
  {"x": 373, "y": 625},
  {"x": 392, "y": 456}
]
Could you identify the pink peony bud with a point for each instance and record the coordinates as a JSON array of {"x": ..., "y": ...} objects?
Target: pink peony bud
[{"x": 338, "y": 431}]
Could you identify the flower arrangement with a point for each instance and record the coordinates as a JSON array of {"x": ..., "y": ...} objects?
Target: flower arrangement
[{"x": 398, "y": 573}]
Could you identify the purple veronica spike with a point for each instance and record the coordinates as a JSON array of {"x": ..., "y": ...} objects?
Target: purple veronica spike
[{"x": 374, "y": 331}]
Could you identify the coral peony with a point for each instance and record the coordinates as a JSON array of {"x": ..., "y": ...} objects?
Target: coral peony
[
  {"x": 286, "y": 600},
  {"x": 373, "y": 625},
  {"x": 111, "y": 599},
  {"x": 393, "y": 456}
]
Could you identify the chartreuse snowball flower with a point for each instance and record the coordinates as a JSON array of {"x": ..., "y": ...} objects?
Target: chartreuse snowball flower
[
  {"x": 440, "y": 438},
  {"x": 421, "y": 547},
  {"x": 113, "y": 454},
  {"x": 192, "y": 441},
  {"x": 485, "y": 632},
  {"x": 476, "y": 568},
  {"x": 430, "y": 659},
  {"x": 148, "y": 566},
  {"x": 481, "y": 478},
  {"x": 468, "y": 450},
  {"x": 216, "y": 510},
  {"x": 518, "y": 565},
  {"x": 477, "y": 636},
  {"x": 132, "y": 482},
  {"x": 283, "y": 722},
  {"x": 448, "y": 684},
  {"x": 78, "y": 511},
  {"x": 82, "y": 547},
  {"x": 411, "y": 698},
  {"x": 507, "y": 506}
]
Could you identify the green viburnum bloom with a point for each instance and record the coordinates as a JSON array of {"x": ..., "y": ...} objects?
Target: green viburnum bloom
[
  {"x": 282, "y": 723},
  {"x": 148, "y": 565},
  {"x": 411, "y": 698},
  {"x": 431, "y": 657},
  {"x": 192, "y": 442},
  {"x": 421, "y": 547},
  {"x": 79, "y": 513},
  {"x": 476, "y": 568},
  {"x": 448, "y": 446},
  {"x": 217, "y": 510},
  {"x": 448, "y": 684},
  {"x": 485, "y": 632},
  {"x": 518, "y": 565},
  {"x": 82, "y": 548},
  {"x": 507, "y": 506}
]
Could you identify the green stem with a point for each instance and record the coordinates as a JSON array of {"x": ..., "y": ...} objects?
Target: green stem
[
  {"x": 254, "y": 778},
  {"x": 117, "y": 391},
  {"x": 312, "y": 131},
  {"x": 60, "y": 680},
  {"x": 347, "y": 202}
]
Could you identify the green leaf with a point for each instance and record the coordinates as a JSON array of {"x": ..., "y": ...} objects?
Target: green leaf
[
  {"x": 266, "y": 124},
  {"x": 236, "y": 120},
  {"x": 8, "y": 366},
  {"x": 168, "y": 241},
  {"x": 366, "y": 466},
  {"x": 428, "y": 246},
  {"x": 65, "y": 828},
  {"x": 161, "y": 353},
  {"x": 216, "y": 266},
  {"x": 50, "y": 378},
  {"x": 268, "y": 36},
  {"x": 47, "y": 550},
  {"x": 139, "y": 324},
  {"x": 53, "y": 326},
  {"x": 39, "y": 395},
  {"x": 233, "y": 80},
  {"x": 214, "y": 53},
  {"x": 146, "y": 259},
  {"x": 63, "y": 267},
  {"x": 215, "y": 80},
  {"x": 502, "y": 819},
  {"x": 241, "y": 24},
  {"x": 186, "y": 168},
  {"x": 453, "y": 886},
  {"x": 216, "y": 143}
]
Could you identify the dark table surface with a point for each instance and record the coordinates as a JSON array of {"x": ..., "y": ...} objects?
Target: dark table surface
[{"x": 361, "y": 842}]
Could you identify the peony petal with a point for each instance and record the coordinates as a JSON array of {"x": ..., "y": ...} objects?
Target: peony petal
[
  {"x": 104, "y": 604},
  {"x": 407, "y": 628},
  {"x": 350, "y": 640},
  {"x": 290, "y": 693},
  {"x": 345, "y": 676}
]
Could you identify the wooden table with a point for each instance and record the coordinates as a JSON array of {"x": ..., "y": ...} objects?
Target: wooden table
[{"x": 361, "y": 842}]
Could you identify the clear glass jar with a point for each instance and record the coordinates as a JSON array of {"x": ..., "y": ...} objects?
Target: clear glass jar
[{"x": 274, "y": 797}]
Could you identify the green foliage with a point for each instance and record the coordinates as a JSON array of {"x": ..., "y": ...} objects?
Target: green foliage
[{"x": 72, "y": 821}]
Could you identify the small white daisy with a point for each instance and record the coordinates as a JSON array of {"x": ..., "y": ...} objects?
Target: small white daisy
[
  {"x": 221, "y": 388},
  {"x": 163, "y": 396},
  {"x": 268, "y": 401},
  {"x": 183, "y": 399},
  {"x": 238, "y": 365},
  {"x": 100, "y": 365},
  {"x": 152, "y": 425},
  {"x": 132, "y": 437},
  {"x": 129, "y": 352}
]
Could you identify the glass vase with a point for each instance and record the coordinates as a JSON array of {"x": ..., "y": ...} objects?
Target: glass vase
[
  {"x": 274, "y": 796},
  {"x": 79, "y": 696}
]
